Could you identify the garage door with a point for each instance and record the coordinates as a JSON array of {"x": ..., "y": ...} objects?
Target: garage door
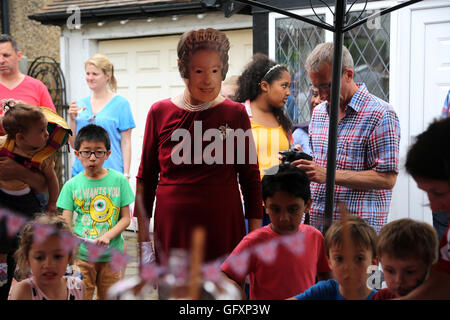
[{"x": 146, "y": 71}]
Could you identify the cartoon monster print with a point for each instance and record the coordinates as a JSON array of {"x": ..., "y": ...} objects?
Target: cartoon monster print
[{"x": 101, "y": 209}]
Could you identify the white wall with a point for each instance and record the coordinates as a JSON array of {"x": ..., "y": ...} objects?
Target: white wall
[{"x": 419, "y": 80}]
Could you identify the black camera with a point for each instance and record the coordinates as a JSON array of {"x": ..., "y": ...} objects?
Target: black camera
[{"x": 293, "y": 154}]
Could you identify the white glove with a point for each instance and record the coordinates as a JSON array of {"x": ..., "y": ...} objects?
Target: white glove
[
  {"x": 3, "y": 274},
  {"x": 148, "y": 256}
]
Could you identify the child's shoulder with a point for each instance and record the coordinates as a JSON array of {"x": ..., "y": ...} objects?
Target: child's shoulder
[
  {"x": 310, "y": 230},
  {"x": 265, "y": 231},
  {"x": 258, "y": 235},
  {"x": 21, "y": 290}
]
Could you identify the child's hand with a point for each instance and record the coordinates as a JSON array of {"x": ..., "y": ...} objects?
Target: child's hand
[
  {"x": 102, "y": 241},
  {"x": 51, "y": 209}
]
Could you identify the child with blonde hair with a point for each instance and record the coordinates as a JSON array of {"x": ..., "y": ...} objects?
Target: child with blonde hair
[
  {"x": 47, "y": 259},
  {"x": 407, "y": 249},
  {"x": 350, "y": 245}
]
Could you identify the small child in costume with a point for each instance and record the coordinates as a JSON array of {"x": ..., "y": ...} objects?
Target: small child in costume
[
  {"x": 27, "y": 136},
  {"x": 29, "y": 143},
  {"x": 407, "y": 249},
  {"x": 47, "y": 259}
]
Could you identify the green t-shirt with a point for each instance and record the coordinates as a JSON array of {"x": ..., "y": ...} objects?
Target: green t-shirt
[{"x": 97, "y": 203}]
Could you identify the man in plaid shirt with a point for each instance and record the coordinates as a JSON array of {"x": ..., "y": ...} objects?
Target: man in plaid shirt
[{"x": 367, "y": 144}]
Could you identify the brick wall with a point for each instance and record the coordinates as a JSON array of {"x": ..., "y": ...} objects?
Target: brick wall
[{"x": 34, "y": 38}]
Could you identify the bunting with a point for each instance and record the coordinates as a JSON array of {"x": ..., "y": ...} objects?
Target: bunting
[{"x": 150, "y": 272}]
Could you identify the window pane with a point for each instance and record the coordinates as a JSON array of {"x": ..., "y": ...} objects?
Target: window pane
[
  {"x": 369, "y": 47},
  {"x": 294, "y": 41},
  {"x": 368, "y": 44}
]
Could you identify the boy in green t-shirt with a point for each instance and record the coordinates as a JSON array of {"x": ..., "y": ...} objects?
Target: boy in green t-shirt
[{"x": 101, "y": 199}]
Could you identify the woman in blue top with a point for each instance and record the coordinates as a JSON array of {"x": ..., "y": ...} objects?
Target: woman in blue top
[{"x": 106, "y": 109}]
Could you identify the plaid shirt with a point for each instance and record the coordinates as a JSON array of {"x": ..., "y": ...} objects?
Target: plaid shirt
[{"x": 368, "y": 139}]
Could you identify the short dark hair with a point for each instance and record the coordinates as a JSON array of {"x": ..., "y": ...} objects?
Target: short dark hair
[
  {"x": 92, "y": 132},
  {"x": 8, "y": 38},
  {"x": 287, "y": 178},
  {"x": 429, "y": 156}
]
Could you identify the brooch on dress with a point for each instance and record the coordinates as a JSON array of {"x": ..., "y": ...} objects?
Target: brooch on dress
[{"x": 225, "y": 131}]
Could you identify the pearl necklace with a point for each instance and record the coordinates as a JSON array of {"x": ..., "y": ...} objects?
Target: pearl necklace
[{"x": 195, "y": 108}]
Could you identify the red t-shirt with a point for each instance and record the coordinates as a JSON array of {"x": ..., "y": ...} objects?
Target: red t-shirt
[
  {"x": 384, "y": 294},
  {"x": 31, "y": 91},
  {"x": 289, "y": 274},
  {"x": 443, "y": 263}
]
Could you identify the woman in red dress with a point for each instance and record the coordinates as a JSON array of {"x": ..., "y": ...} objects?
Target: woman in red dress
[{"x": 198, "y": 148}]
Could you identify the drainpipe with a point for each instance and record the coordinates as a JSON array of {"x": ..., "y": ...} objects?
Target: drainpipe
[{"x": 5, "y": 16}]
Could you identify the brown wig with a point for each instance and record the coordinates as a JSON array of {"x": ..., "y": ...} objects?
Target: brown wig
[{"x": 195, "y": 40}]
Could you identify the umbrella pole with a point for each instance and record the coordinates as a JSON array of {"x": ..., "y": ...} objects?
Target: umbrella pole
[{"x": 341, "y": 7}]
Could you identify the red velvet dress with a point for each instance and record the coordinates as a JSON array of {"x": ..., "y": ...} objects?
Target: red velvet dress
[{"x": 191, "y": 189}]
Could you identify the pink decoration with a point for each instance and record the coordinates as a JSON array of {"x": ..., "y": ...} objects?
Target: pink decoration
[
  {"x": 267, "y": 251},
  {"x": 239, "y": 263},
  {"x": 41, "y": 232},
  {"x": 294, "y": 242},
  {"x": 211, "y": 271},
  {"x": 118, "y": 260}
]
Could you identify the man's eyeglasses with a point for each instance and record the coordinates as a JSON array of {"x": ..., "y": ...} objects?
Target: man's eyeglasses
[{"x": 87, "y": 154}]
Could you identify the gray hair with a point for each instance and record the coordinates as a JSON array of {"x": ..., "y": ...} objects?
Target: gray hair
[
  {"x": 323, "y": 53},
  {"x": 7, "y": 38}
]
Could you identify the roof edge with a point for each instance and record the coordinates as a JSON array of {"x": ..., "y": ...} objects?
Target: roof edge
[{"x": 59, "y": 18}]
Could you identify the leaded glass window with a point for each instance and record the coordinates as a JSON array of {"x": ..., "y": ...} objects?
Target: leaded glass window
[
  {"x": 369, "y": 45},
  {"x": 294, "y": 41}
]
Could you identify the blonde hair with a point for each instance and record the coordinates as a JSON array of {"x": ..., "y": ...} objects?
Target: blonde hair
[
  {"x": 407, "y": 238},
  {"x": 195, "y": 40},
  {"x": 26, "y": 238},
  {"x": 361, "y": 234},
  {"x": 103, "y": 63},
  {"x": 19, "y": 118}
]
